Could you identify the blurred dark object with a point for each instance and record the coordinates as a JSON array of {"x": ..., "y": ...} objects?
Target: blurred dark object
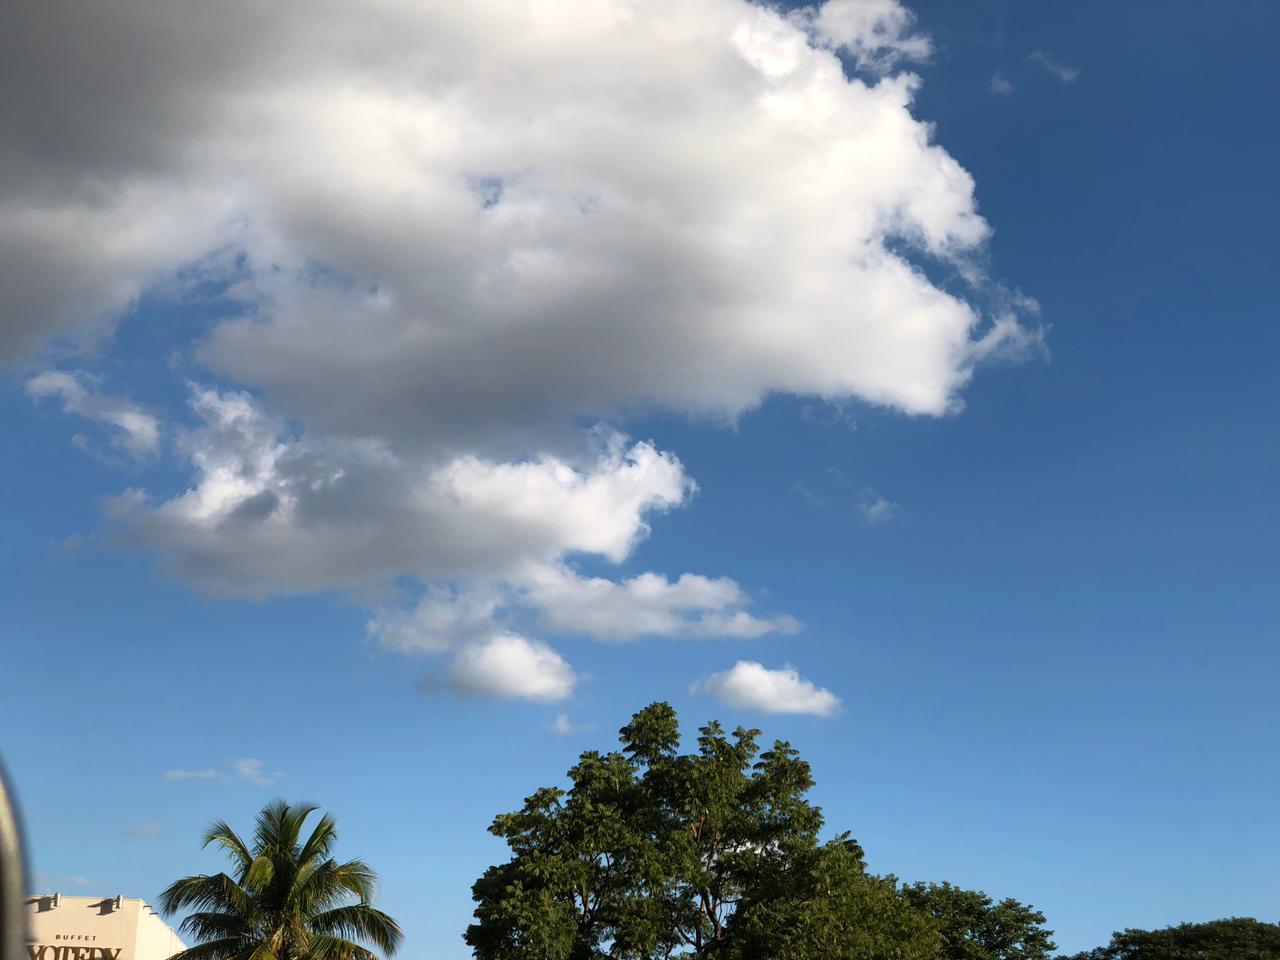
[{"x": 13, "y": 882}]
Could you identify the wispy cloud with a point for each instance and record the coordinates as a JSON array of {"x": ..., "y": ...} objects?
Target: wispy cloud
[
  {"x": 813, "y": 498},
  {"x": 249, "y": 769},
  {"x": 1000, "y": 85},
  {"x": 141, "y": 831},
  {"x": 835, "y": 488},
  {"x": 131, "y": 428},
  {"x": 208, "y": 773},
  {"x": 1064, "y": 72},
  {"x": 252, "y": 769},
  {"x": 563, "y": 726},
  {"x": 830, "y": 414},
  {"x": 875, "y": 508}
]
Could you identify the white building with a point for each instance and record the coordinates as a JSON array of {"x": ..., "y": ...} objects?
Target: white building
[{"x": 93, "y": 928}]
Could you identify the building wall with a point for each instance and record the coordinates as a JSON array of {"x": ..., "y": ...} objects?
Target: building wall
[{"x": 93, "y": 928}]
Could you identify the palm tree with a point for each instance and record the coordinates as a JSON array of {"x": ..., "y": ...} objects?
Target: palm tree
[{"x": 285, "y": 899}]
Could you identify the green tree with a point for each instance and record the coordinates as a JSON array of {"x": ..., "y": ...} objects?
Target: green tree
[
  {"x": 973, "y": 927},
  {"x": 1237, "y": 938},
  {"x": 286, "y": 897},
  {"x": 653, "y": 854}
]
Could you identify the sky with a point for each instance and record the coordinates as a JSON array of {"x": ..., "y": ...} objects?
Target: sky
[{"x": 395, "y": 403}]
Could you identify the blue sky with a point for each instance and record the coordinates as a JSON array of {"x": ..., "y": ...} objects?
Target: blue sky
[{"x": 1049, "y": 616}]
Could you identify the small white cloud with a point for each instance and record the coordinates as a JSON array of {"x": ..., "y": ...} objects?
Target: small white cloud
[
  {"x": 511, "y": 666},
  {"x": 1062, "y": 71},
  {"x": 999, "y": 84},
  {"x": 752, "y": 686},
  {"x": 144, "y": 830},
  {"x": 563, "y": 726},
  {"x": 132, "y": 430},
  {"x": 208, "y": 773},
  {"x": 875, "y": 508},
  {"x": 252, "y": 769}
]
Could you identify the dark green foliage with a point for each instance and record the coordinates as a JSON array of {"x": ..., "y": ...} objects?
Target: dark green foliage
[
  {"x": 286, "y": 899},
  {"x": 1239, "y": 938},
  {"x": 833, "y": 909},
  {"x": 974, "y": 927},
  {"x": 652, "y": 854}
]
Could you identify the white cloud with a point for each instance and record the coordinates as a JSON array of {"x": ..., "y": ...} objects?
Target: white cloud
[
  {"x": 444, "y": 616},
  {"x": 250, "y": 769},
  {"x": 875, "y": 508},
  {"x": 275, "y": 513},
  {"x": 876, "y": 33},
  {"x": 208, "y": 773},
  {"x": 646, "y": 605},
  {"x": 509, "y": 665},
  {"x": 272, "y": 512},
  {"x": 492, "y": 194},
  {"x": 452, "y": 234},
  {"x": 1062, "y": 71},
  {"x": 557, "y": 599},
  {"x": 131, "y": 429},
  {"x": 1000, "y": 84},
  {"x": 253, "y": 770},
  {"x": 752, "y": 686},
  {"x": 563, "y": 726}
]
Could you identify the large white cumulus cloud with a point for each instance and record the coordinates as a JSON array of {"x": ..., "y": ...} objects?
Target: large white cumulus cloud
[
  {"x": 453, "y": 232},
  {"x": 518, "y": 212}
]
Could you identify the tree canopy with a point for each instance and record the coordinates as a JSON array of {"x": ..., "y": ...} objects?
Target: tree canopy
[
  {"x": 974, "y": 927},
  {"x": 1236, "y": 938},
  {"x": 286, "y": 898},
  {"x": 649, "y": 853}
]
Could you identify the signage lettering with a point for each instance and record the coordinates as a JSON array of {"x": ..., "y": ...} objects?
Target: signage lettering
[{"x": 46, "y": 951}]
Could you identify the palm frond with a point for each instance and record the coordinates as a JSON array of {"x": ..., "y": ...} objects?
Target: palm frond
[
  {"x": 336, "y": 948},
  {"x": 358, "y": 877},
  {"x": 329, "y": 884},
  {"x": 279, "y": 826},
  {"x": 214, "y": 925},
  {"x": 317, "y": 887},
  {"x": 362, "y": 922},
  {"x": 320, "y": 841},
  {"x": 221, "y": 834},
  {"x": 204, "y": 892}
]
